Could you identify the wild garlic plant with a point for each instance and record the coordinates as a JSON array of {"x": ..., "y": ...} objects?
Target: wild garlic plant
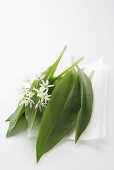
[{"x": 68, "y": 105}]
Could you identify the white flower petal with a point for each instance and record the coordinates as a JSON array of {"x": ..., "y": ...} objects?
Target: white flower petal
[
  {"x": 51, "y": 85},
  {"x": 47, "y": 82}
]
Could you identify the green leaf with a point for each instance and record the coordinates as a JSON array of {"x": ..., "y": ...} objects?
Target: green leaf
[
  {"x": 68, "y": 69},
  {"x": 49, "y": 73},
  {"x": 14, "y": 119},
  {"x": 60, "y": 115},
  {"x": 30, "y": 113},
  {"x": 85, "y": 112}
]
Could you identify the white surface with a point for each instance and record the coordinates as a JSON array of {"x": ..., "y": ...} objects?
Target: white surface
[
  {"x": 32, "y": 33},
  {"x": 97, "y": 126}
]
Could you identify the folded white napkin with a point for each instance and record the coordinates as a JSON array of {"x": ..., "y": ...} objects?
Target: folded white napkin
[{"x": 97, "y": 126}]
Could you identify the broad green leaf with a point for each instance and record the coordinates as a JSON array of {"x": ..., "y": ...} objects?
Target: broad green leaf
[
  {"x": 85, "y": 112},
  {"x": 14, "y": 119},
  {"x": 60, "y": 115},
  {"x": 30, "y": 113}
]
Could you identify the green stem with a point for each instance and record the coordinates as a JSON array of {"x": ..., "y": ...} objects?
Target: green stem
[{"x": 69, "y": 68}]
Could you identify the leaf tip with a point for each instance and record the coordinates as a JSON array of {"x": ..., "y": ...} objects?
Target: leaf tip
[
  {"x": 65, "y": 47},
  {"x": 38, "y": 153},
  {"x": 38, "y": 157},
  {"x": 77, "y": 138},
  {"x": 7, "y": 134}
]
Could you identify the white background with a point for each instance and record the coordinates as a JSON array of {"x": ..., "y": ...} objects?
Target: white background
[{"x": 32, "y": 34}]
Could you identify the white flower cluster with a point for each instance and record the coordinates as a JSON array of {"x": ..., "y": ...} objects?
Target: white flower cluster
[{"x": 41, "y": 93}]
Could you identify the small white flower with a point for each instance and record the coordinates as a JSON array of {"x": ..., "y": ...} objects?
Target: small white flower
[
  {"x": 27, "y": 92},
  {"x": 47, "y": 97},
  {"x": 27, "y": 97},
  {"x": 31, "y": 102},
  {"x": 30, "y": 94},
  {"x": 43, "y": 95},
  {"x": 40, "y": 105},
  {"x": 25, "y": 87},
  {"x": 26, "y": 101},
  {"x": 40, "y": 93},
  {"x": 45, "y": 85},
  {"x": 23, "y": 90}
]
